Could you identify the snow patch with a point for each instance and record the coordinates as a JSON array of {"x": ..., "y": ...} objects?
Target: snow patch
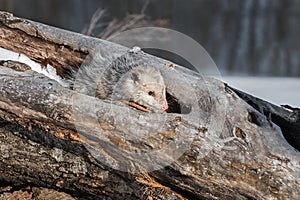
[
  {"x": 279, "y": 90},
  {"x": 48, "y": 71}
]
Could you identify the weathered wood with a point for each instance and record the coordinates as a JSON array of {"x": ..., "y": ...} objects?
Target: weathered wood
[
  {"x": 231, "y": 151},
  {"x": 286, "y": 117}
]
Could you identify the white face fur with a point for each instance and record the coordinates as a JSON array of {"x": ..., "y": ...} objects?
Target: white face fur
[{"x": 143, "y": 85}]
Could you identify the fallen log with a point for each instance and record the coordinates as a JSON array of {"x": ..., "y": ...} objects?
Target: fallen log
[
  {"x": 211, "y": 144},
  {"x": 285, "y": 116}
]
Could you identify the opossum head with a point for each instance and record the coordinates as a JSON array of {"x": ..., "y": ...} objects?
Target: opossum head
[{"x": 145, "y": 86}]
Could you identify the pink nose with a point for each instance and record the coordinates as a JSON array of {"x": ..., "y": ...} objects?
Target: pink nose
[{"x": 165, "y": 105}]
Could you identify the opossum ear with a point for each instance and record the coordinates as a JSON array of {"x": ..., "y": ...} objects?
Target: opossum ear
[{"x": 135, "y": 77}]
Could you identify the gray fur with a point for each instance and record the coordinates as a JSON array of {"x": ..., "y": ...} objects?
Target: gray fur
[{"x": 122, "y": 78}]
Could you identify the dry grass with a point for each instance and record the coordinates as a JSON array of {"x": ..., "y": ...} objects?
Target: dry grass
[{"x": 116, "y": 26}]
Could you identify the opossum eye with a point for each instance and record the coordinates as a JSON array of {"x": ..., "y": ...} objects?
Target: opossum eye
[{"x": 151, "y": 93}]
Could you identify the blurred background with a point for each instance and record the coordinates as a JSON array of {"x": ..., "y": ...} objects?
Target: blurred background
[{"x": 245, "y": 38}]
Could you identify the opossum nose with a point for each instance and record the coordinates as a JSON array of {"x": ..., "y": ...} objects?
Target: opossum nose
[{"x": 165, "y": 105}]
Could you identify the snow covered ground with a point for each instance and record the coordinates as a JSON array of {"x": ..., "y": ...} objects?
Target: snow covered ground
[{"x": 276, "y": 90}]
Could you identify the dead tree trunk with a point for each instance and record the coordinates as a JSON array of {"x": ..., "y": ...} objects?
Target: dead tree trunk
[{"x": 219, "y": 148}]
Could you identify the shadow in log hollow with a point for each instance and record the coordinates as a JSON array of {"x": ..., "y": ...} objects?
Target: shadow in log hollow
[{"x": 175, "y": 106}]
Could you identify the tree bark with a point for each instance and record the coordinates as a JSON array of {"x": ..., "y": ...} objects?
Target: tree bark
[
  {"x": 213, "y": 144},
  {"x": 285, "y": 116}
]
